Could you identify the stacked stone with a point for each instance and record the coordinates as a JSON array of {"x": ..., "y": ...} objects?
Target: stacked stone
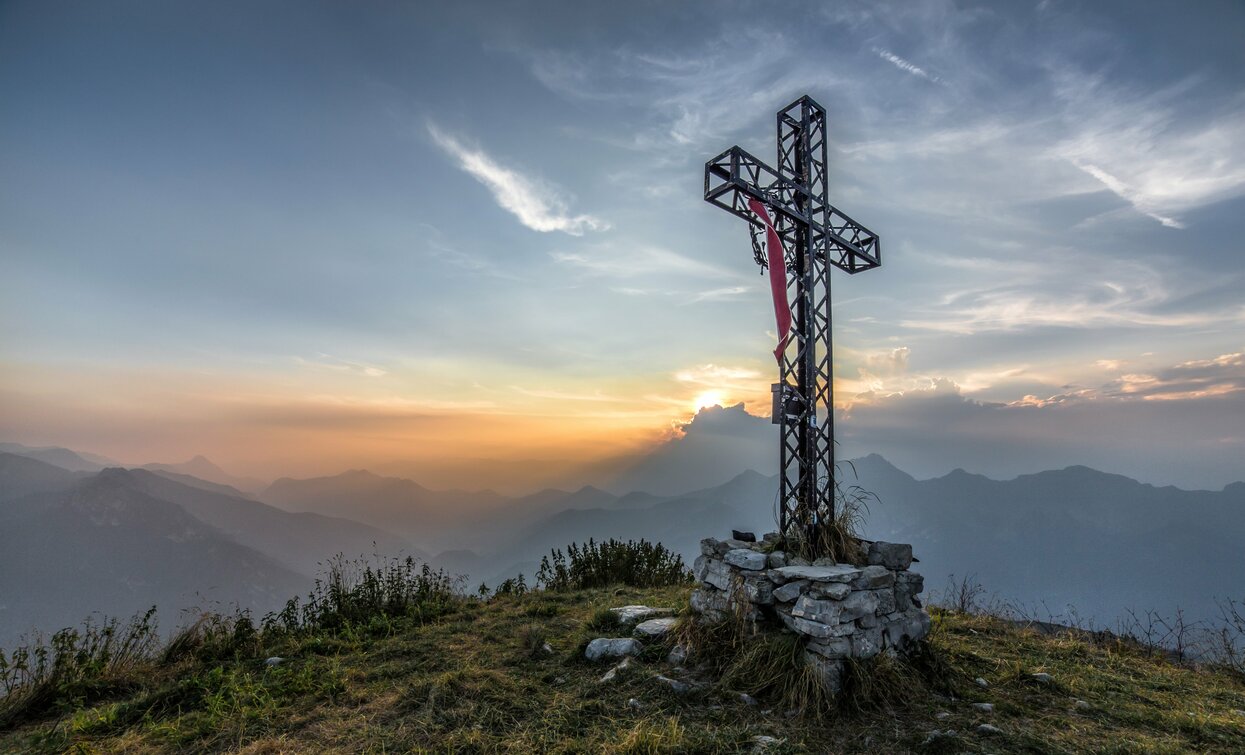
[{"x": 839, "y": 611}]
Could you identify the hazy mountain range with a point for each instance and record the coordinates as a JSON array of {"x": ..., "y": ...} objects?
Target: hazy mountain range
[{"x": 78, "y": 539}]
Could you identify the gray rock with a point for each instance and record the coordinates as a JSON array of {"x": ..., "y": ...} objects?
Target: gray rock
[
  {"x": 831, "y": 590},
  {"x": 868, "y": 621},
  {"x": 632, "y": 614},
  {"x": 746, "y": 559},
  {"x": 798, "y": 561},
  {"x": 747, "y": 537},
  {"x": 275, "y": 660},
  {"x": 833, "y": 648},
  {"x": 913, "y": 625},
  {"x": 677, "y": 655},
  {"x": 989, "y": 730},
  {"x": 709, "y": 603},
  {"x": 1042, "y": 678},
  {"x": 942, "y": 715},
  {"x": 654, "y": 628},
  {"x": 815, "y": 629},
  {"x": 1082, "y": 705},
  {"x": 776, "y": 559},
  {"x": 911, "y": 578},
  {"x": 771, "y": 537},
  {"x": 700, "y": 567},
  {"x": 680, "y": 688},
  {"x": 547, "y": 649},
  {"x": 982, "y": 683},
  {"x": 840, "y": 573},
  {"x": 717, "y": 574},
  {"x": 612, "y": 674},
  {"x": 983, "y": 707},
  {"x": 709, "y": 546},
  {"x": 747, "y": 699},
  {"x": 634, "y": 704},
  {"x": 603, "y": 648},
  {"x": 886, "y": 600},
  {"x": 829, "y": 672},
  {"x": 866, "y": 643},
  {"x": 897, "y": 556},
  {"x": 725, "y": 546},
  {"x": 873, "y": 578},
  {"x": 790, "y": 591},
  {"x": 821, "y": 611},
  {"x": 758, "y": 590},
  {"x": 860, "y": 603}
]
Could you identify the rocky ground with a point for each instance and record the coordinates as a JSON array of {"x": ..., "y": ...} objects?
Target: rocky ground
[{"x": 604, "y": 671}]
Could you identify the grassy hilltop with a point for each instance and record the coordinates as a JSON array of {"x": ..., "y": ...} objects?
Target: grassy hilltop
[{"x": 439, "y": 672}]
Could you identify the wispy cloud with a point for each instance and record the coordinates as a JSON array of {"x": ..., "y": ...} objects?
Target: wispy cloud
[
  {"x": 536, "y": 204},
  {"x": 638, "y": 261},
  {"x": 717, "y": 294},
  {"x": 1144, "y": 148},
  {"x": 905, "y": 65}
]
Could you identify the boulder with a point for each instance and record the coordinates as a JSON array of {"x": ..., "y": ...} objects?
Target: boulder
[
  {"x": 776, "y": 559},
  {"x": 747, "y": 537},
  {"x": 603, "y": 648}
]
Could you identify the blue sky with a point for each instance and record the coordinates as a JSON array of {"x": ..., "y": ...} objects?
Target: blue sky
[{"x": 304, "y": 236}]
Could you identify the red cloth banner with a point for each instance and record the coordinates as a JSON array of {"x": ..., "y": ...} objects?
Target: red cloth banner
[{"x": 777, "y": 276}]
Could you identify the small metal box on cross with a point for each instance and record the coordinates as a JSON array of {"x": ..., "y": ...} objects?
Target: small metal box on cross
[{"x": 815, "y": 236}]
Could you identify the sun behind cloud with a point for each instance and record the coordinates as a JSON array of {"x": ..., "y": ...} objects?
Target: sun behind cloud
[{"x": 708, "y": 398}]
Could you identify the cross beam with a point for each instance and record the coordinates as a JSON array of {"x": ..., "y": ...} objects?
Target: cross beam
[{"x": 815, "y": 236}]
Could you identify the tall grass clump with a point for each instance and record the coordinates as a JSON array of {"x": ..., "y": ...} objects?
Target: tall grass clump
[
  {"x": 634, "y": 563},
  {"x": 360, "y": 595},
  {"x": 75, "y": 667}
]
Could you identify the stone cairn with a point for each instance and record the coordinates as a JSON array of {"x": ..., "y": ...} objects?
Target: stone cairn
[{"x": 839, "y": 611}]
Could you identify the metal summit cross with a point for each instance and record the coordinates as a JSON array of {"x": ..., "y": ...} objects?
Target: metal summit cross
[{"x": 814, "y": 236}]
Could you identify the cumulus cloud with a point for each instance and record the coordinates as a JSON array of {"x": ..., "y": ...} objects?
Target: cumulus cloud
[{"x": 536, "y": 204}]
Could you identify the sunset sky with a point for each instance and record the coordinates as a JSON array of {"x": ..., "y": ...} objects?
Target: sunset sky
[{"x": 304, "y": 237}]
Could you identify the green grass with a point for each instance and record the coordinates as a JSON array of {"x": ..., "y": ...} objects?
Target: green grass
[{"x": 474, "y": 678}]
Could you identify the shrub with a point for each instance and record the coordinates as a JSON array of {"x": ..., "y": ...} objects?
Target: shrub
[{"x": 633, "y": 563}]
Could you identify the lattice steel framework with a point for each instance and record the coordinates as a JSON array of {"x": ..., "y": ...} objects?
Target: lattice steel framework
[{"x": 815, "y": 236}]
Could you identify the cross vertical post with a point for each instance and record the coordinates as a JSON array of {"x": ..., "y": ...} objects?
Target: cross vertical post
[{"x": 815, "y": 237}]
